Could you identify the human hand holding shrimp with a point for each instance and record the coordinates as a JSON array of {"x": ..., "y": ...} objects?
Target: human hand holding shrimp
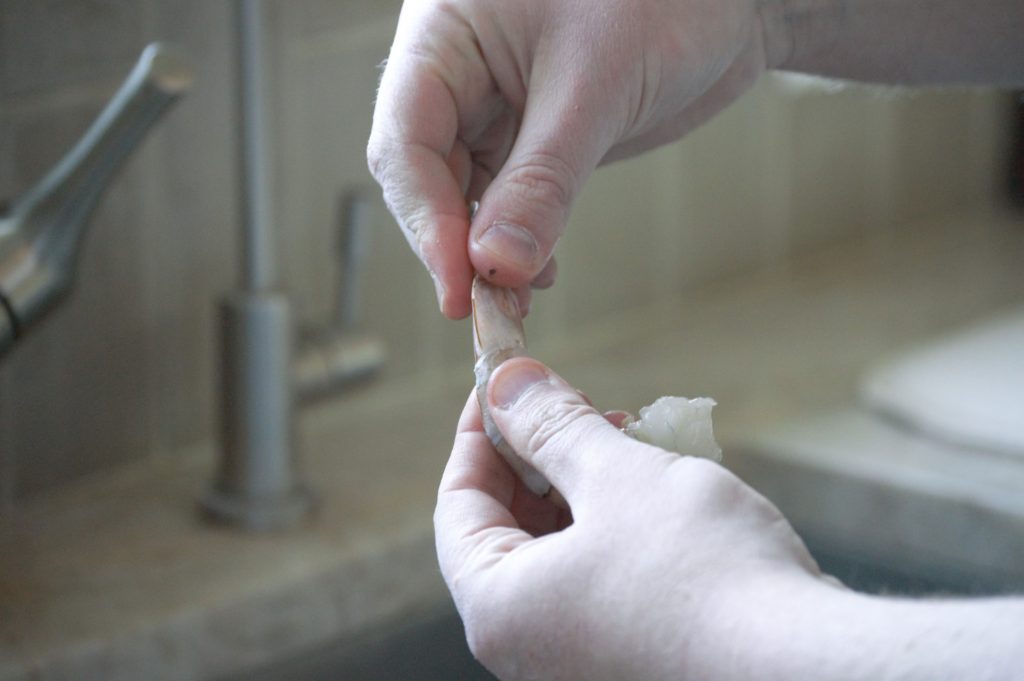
[
  {"x": 669, "y": 567},
  {"x": 515, "y": 104},
  {"x": 660, "y": 554}
]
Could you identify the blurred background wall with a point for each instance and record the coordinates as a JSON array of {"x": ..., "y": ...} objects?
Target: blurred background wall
[{"x": 127, "y": 368}]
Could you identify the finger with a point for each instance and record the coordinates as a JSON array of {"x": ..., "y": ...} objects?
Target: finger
[
  {"x": 470, "y": 421},
  {"x": 524, "y": 297},
  {"x": 562, "y": 136},
  {"x": 539, "y": 515},
  {"x": 424, "y": 102},
  {"x": 490, "y": 151},
  {"x": 617, "y": 417},
  {"x": 410, "y": 144},
  {"x": 553, "y": 428},
  {"x": 480, "y": 179},
  {"x": 546, "y": 278},
  {"x": 535, "y": 514},
  {"x": 524, "y": 294},
  {"x": 473, "y": 524},
  {"x": 460, "y": 164}
]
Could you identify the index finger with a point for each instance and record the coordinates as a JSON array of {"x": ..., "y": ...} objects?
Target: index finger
[
  {"x": 414, "y": 132},
  {"x": 473, "y": 524},
  {"x": 435, "y": 88}
]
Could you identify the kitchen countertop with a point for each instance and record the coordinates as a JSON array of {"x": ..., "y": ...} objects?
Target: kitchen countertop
[{"x": 117, "y": 577}]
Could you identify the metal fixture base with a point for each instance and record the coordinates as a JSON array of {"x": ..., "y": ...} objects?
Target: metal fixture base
[
  {"x": 257, "y": 485},
  {"x": 258, "y": 514}
]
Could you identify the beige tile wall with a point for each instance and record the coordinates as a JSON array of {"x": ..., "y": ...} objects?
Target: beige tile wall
[
  {"x": 124, "y": 367},
  {"x": 127, "y": 367}
]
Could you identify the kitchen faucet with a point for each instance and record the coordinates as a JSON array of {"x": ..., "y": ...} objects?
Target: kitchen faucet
[
  {"x": 257, "y": 485},
  {"x": 41, "y": 231}
]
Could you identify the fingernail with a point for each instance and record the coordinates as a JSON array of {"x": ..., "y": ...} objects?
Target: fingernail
[
  {"x": 510, "y": 242},
  {"x": 509, "y": 385},
  {"x": 617, "y": 417}
]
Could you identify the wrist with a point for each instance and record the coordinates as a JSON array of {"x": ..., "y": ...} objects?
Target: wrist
[{"x": 771, "y": 627}]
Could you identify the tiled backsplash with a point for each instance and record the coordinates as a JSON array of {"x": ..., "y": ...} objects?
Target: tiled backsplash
[{"x": 127, "y": 367}]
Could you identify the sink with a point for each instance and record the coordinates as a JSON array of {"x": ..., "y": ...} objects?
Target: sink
[
  {"x": 430, "y": 646},
  {"x": 886, "y": 509},
  {"x": 892, "y": 538}
]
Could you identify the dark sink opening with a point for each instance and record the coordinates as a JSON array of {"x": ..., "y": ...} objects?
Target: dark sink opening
[
  {"x": 426, "y": 647},
  {"x": 432, "y": 647}
]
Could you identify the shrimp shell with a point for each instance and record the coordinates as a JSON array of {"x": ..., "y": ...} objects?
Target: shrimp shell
[{"x": 498, "y": 335}]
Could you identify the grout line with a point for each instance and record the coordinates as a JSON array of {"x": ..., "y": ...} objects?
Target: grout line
[
  {"x": 6, "y": 156},
  {"x": 8, "y": 459},
  {"x": 985, "y": 130}
]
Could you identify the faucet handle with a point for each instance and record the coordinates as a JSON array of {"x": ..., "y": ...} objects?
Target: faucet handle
[
  {"x": 339, "y": 354},
  {"x": 41, "y": 231},
  {"x": 166, "y": 68}
]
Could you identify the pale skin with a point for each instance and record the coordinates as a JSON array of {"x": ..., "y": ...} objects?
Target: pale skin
[
  {"x": 671, "y": 567},
  {"x": 516, "y": 103}
]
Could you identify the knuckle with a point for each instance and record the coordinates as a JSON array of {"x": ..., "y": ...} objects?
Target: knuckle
[
  {"x": 558, "y": 427},
  {"x": 545, "y": 178},
  {"x": 415, "y": 221},
  {"x": 384, "y": 159},
  {"x": 701, "y": 473},
  {"x": 707, "y": 484},
  {"x": 377, "y": 158}
]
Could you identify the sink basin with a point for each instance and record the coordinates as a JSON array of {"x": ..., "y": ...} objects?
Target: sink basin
[
  {"x": 874, "y": 540},
  {"x": 427, "y": 647},
  {"x": 874, "y": 498},
  {"x": 432, "y": 647}
]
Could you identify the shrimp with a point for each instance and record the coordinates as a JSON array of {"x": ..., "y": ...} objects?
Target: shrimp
[
  {"x": 676, "y": 424},
  {"x": 498, "y": 335}
]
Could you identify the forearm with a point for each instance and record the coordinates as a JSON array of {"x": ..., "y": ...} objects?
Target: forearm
[
  {"x": 805, "y": 629},
  {"x": 898, "y": 41}
]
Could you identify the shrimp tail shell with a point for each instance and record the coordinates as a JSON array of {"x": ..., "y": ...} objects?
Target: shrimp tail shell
[{"x": 497, "y": 336}]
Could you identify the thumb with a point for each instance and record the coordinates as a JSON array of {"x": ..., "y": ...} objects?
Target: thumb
[
  {"x": 525, "y": 209},
  {"x": 550, "y": 425}
]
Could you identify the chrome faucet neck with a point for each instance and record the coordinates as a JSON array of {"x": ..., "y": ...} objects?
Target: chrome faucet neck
[{"x": 42, "y": 230}]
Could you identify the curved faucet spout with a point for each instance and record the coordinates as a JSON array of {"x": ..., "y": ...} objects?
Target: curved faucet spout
[{"x": 41, "y": 231}]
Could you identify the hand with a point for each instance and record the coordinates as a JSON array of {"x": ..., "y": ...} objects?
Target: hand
[
  {"x": 653, "y": 576},
  {"x": 515, "y": 103}
]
